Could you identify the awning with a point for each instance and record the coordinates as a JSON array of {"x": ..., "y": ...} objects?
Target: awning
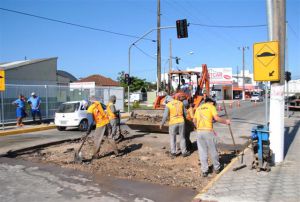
[{"x": 237, "y": 89}]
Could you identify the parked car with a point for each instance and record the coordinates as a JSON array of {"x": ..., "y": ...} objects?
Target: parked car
[
  {"x": 256, "y": 98},
  {"x": 72, "y": 114},
  {"x": 238, "y": 96}
]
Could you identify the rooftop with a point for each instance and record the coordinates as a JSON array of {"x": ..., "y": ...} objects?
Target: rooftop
[
  {"x": 15, "y": 64},
  {"x": 100, "y": 80}
]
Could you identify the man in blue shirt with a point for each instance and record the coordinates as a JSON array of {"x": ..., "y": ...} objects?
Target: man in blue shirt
[
  {"x": 35, "y": 102},
  {"x": 20, "y": 110}
]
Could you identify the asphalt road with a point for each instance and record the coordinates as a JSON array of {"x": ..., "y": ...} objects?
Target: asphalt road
[
  {"x": 21, "y": 141},
  {"x": 27, "y": 181}
]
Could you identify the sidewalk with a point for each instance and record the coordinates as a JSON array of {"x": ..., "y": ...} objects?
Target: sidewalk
[{"x": 282, "y": 183}]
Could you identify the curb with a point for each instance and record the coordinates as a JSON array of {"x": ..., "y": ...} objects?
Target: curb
[
  {"x": 15, "y": 152},
  {"x": 197, "y": 198},
  {"x": 26, "y": 130},
  {"x": 34, "y": 129}
]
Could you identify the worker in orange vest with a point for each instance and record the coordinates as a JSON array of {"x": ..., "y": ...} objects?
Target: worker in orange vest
[
  {"x": 103, "y": 128},
  {"x": 175, "y": 110},
  {"x": 114, "y": 119}
]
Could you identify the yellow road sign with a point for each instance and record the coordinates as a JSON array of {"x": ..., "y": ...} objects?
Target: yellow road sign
[
  {"x": 2, "y": 80},
  {"x": 266, "y": 61}
]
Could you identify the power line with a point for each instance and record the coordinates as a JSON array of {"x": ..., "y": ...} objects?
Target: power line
[
  {"x": 147, "y": 54},
  {"x": 229, "y": 40},
  {"x": 228, "y": 26},
  {"x": 293, "y": 31},
  {"x": 73, "y": 24}
]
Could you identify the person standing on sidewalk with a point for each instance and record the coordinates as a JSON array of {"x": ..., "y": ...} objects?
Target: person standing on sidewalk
[
  {"x": 35, "y": 102},
  {"x": 20, "y": 110},
  {"x": 98, "y": 115},
  {"x": 206, "y": 140},
  {"x": 175, "y": 110},
  {"x": 114, "y": 119}
]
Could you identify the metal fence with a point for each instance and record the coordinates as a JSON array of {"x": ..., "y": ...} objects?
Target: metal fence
[{"x": 52, "y": 96}]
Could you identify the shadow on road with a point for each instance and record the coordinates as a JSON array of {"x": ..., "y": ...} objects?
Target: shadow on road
[
  {"x": 126, "y": 150},
  {"x": 225, "y": 159},
  {"x": 289, "y": 135},
  {"x": 241, "y": 120}
]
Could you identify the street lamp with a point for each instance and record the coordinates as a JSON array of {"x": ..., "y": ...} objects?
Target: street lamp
[{"x": 129, "y": 52}]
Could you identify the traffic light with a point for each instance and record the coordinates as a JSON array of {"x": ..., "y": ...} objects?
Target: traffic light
[
  {"x": 130, "y": 80},
  {"x": 126, "y": 79},
  {"x": 182, "y": 30},
  {"x": 177, "y": 60},
  {"x": 288, "y": 76}
]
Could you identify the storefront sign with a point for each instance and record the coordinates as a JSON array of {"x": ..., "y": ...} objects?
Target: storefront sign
[{"x": 220, "y": 75}]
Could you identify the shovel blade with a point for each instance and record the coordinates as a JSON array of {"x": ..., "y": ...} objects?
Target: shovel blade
[{"x": 78, "y": 157}]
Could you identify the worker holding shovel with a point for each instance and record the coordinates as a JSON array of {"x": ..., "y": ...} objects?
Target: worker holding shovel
[
  {"x": 103, "y": 127},
  {"x": 206, "y": 140}
]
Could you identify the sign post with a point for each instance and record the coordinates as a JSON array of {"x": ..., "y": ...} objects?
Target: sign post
[
  {"x": 266, "y": 61},
  {"x": 266, "y": 65}
]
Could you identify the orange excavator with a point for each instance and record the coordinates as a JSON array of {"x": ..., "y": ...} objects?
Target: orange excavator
[{"x": 149, "y": 120}]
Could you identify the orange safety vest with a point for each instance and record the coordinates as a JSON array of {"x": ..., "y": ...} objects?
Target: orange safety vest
[
  {"x": 100, "y": 117},
  {"x": 110, "y": 114},
  {"x": 176, "y": 112},
  {"x": 190, "y": 114}
]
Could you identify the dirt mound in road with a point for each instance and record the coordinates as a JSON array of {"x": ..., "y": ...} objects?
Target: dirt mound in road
[{"x": 145, "y": 158}]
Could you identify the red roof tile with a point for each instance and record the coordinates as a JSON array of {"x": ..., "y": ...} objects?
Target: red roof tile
[{"x": 99, "y": 80}]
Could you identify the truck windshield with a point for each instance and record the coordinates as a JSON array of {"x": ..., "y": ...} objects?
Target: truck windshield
[{"x": 68, "y": 107}]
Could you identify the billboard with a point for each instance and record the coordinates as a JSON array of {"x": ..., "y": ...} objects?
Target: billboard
[{"x": 218, "y": 76}]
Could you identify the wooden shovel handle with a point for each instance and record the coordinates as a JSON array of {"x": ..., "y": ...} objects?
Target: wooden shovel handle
[{"x": 229, "y": 126}]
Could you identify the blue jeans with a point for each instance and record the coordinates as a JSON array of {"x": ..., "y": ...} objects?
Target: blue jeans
[{"x": 36, "y": 112}]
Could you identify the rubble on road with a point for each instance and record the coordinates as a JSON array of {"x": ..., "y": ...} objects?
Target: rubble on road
[{"x": 143, "y": 158}]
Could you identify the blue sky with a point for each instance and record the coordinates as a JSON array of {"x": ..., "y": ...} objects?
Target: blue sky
[{"x": 83, "y": 52}]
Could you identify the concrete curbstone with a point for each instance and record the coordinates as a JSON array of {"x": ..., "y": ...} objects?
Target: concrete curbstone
[{"x": 26, "y": 130}]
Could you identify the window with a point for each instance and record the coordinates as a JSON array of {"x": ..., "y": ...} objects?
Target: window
[{"x": 68, "y": 107}]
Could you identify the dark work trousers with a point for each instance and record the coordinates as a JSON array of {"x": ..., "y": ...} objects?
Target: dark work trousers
[{"x": 189, "y": 127}]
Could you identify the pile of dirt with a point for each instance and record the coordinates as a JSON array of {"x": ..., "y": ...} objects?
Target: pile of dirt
[{"x": 142, "y": 159}]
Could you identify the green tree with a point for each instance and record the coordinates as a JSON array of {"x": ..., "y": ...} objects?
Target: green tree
[{"x": 136, "y": 85}]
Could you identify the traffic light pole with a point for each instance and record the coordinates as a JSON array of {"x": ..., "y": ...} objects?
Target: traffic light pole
[{"x": 129, "y": 53}]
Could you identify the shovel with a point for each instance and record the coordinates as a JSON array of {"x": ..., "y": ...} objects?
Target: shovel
[
  {"x": 242, "y": 165},
  {"x": 78, "y": 155}
]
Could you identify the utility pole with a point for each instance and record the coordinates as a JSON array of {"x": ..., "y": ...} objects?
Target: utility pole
[
  {"x": 237, "y": 75},
  {"x": 287, "y": 68},
  {"x": 170, "y": 59},
  {"x": 277, "y": 27},
  {"x": 243, "y": 51},
  {"x": 158, "y": 48}
]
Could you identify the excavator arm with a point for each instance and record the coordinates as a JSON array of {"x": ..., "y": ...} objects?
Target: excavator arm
[{"x": 204, "y": 79}]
